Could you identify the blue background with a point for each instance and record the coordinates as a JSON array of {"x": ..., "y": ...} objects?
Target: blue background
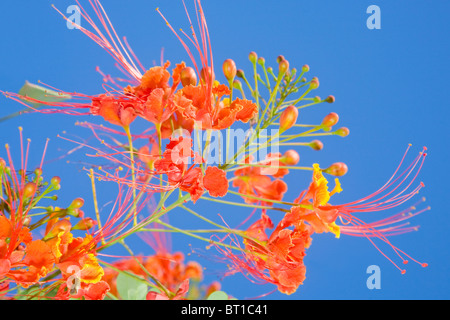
[{"x": 390, "y": 85}]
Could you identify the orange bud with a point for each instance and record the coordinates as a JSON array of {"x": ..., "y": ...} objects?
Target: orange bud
[
  {"x": 29, "y": 189},
  {"x": 316, "y": 145},
  {"x": 291, "y": 157},
  {"x": 229, "y": 69},
  {"x": 55, "y": 181},
  {"x": 207, "y": 75},
  {"x": 305, "y": 68},
  {"x": 214, "y": 286},
  {"x": 59, "y": 226},
  {"x": 288, "y": 118},
  {"x": 283, "y": 66},
  {"x": 330, "y": 120},
  {"x": 343, "y": 132},
  {"x": 188, "y": 77},
  {"x": 337, "y": 169},
  {"x": 85, "y": 224}
]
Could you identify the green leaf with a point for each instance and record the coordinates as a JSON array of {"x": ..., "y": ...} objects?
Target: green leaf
[
  {"x": 218, "y": 295},
  {"x": 131, "y": 288},
  {"x": 41, "y": 93}
]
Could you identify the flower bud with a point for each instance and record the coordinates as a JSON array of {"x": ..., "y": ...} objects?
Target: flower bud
[
  {"x": 229, "y": 69},
  {"x": 55, "y": 181},
  {"x": 288, "y": 118},
  {"x": 237, "y": 85},
  {"x": 29, "y": 189},
  {"x": 330, "y": 99},
  {"x": 330, "y": 120},
  {"x": 316, "y": 145},
  {"x": 188, "y": 77},
  {"x": 85, "y": 224},
  {"x": 77, "y": 203},
  {"x": 283, "y": 66},
  {"x": 314, "y": 84},
  {"x": 280, "y": 58},
  {"x": 261, "y": 61},
  {"x": 207, "y": 75},
  {"x": 305, "y": 68},
  {"x": 240, "y": 73},
  {"x": 343, "y": 132},
  {"x": 59, "y": 226},
  {"x": 291, "y": 157},
  {"x": 337, "y": 169},
  {"x": 26, "y": 221},
  {"x": 252, "y": 57},
  {"x": 214, "y": 286},
  {"x": 38, "y": 172}
]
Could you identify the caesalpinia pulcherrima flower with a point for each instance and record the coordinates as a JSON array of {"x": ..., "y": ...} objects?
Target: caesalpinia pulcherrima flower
[
  {"x": 58, "y": 253},
  {"x": 278, "y": 258}
]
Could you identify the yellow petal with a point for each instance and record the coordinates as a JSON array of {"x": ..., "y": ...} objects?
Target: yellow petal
[
  {"x": 337, "y": 187},
  {"x": 334, "y": 228},
  {"x": 321, "y": 194}
]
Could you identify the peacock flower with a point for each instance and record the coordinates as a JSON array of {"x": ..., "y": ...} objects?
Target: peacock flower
[
  {"x": 253, "y": 182},
  {"x": 22, "y": 259},
  {"x": 276, "y": 258},
  {"x": 314, "y": 208},
  {"x": 175, "y": 164}
]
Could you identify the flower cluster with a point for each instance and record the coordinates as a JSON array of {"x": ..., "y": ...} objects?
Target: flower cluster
[{"x": 49, "y": 252}]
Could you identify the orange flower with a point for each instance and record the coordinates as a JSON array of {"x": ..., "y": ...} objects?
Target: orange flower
[
  {"x": 251, "y": 181},
  {"x": 174, "y": 163},
  {"x": 277, "y": 259},
  {"x": 310, "y": 204},
  {"x": 21, "y": 259},
  {"x": 117, "y": 112},
  {"x": 76, "y": 259},
  {"x": 193, "y": 103},
  {"x": 215, "y": 181},
  {"x": 28, "y": 266},
  {"x": 315, "y": 210}
]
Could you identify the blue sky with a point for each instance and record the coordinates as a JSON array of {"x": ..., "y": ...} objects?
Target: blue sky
[{"x": 390, "y": 87}]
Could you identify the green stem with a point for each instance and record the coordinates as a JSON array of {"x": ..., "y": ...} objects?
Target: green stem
[
  {"x": 244, "y": 205},
  {"x": 133, "y": 176}
]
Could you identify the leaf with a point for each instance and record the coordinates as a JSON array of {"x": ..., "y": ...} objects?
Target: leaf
[
  {"x": 41, "y": 93},
  {"x": 218, "y": 295},
  {"x": 131, "y": 288}
]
